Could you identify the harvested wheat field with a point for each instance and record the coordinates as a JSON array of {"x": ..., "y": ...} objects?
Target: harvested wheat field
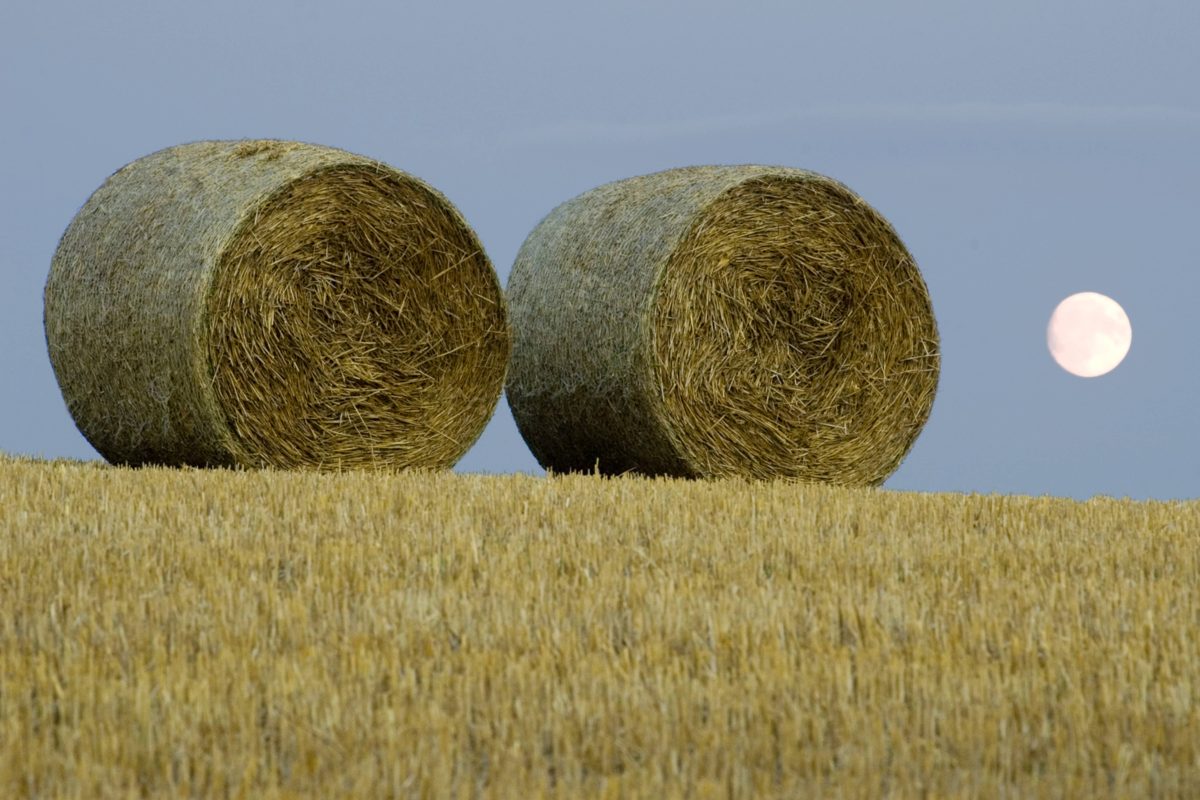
[{"x": 271, "y": 634}]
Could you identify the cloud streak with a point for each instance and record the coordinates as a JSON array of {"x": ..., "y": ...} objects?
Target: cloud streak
[{"x": 1031, "y": 117}]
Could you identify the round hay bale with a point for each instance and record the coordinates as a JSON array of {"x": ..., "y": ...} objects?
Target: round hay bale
[
  {"x": 274, "y": 304},
  {"x": 721, "y": 321}
]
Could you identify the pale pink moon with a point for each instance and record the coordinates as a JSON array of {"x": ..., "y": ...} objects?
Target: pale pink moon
[{"x": 1089, "y": 334}]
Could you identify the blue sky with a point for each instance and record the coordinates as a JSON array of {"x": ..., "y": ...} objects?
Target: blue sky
[{"x": 1024, "y": 151}]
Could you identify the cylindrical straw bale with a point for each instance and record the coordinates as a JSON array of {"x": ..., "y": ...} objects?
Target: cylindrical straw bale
[
  {"x": 747, "y": 321},
  {"x": 263, "y": 303}
]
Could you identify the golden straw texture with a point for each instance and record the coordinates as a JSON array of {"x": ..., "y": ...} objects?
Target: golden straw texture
[
  {"x": 719, "y": 321},
  {"x": 266, "y": 303}
]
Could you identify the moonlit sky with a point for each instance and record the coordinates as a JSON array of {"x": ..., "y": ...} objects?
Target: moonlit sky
[{"x": 1024, "y": 151}]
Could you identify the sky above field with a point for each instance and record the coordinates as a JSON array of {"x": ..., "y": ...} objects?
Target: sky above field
[{"x": 1024, "y": 151}]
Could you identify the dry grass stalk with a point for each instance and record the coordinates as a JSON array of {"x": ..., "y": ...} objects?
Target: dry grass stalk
[
  {"x": 266, "y": 303},
  {"x": 709, "y": 321},
  {"x": 210, "y": 633}
]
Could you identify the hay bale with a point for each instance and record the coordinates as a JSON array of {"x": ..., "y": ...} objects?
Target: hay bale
[
  {"x": 721, "y": 321},
  {"x": 266, "y": 303}
]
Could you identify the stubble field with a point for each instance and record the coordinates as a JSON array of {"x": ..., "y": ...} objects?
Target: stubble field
[{"x": 268, "y": 634}]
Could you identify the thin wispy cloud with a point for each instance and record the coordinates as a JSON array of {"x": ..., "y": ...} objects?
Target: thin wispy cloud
[{"x": 1033, "y": 117}]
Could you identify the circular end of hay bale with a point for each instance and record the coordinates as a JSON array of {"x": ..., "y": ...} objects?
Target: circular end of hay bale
[
  {"x": 793, "y": 336},
  {"x": 371, "y": 317},
  {"x": 746, "y": 321},
  {"x": 273, "y": 304}
]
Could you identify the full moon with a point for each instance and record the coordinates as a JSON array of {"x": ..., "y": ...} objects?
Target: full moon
[{"x": 1089, "y": 334}]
